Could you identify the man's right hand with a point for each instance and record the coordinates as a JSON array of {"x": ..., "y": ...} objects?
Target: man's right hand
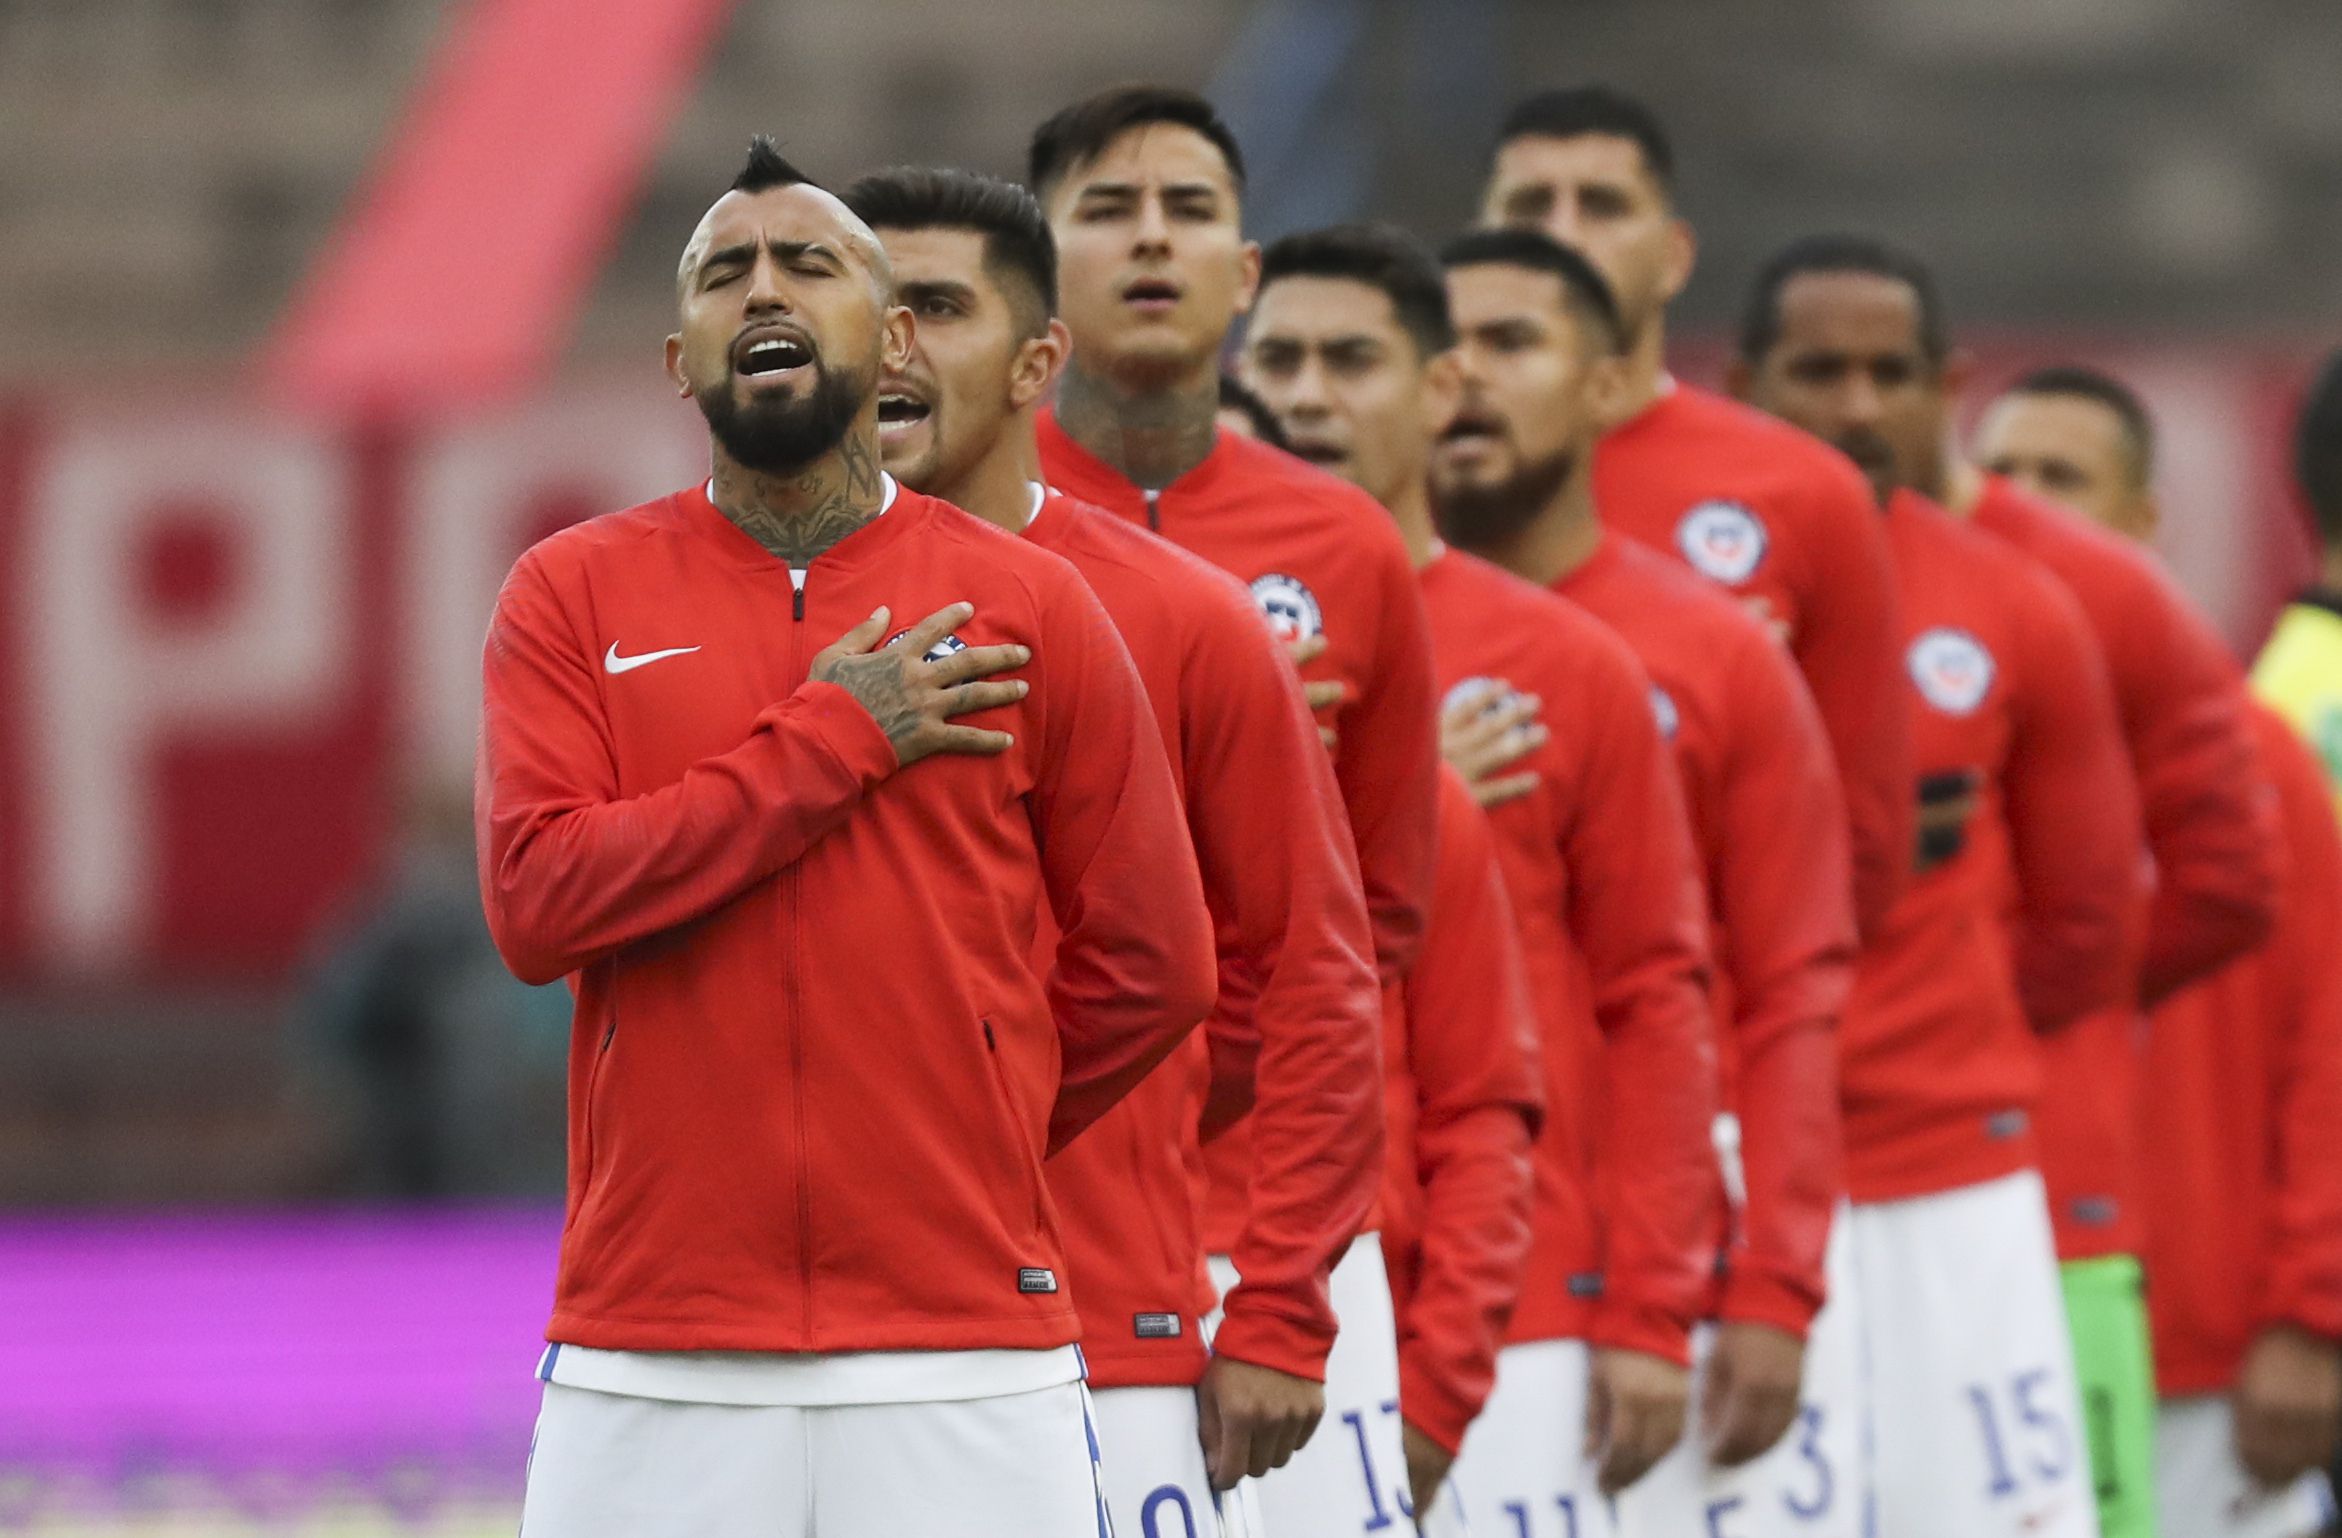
[
  {"x": 1634, "y": 1413},
  {"x": 1253, "y": 1418},
  {"x": 1484, "y": 731},
  {"x": 912, "y": 699}
]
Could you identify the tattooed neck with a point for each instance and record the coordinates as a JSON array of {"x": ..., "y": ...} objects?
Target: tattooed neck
[
  {"x": 798, "y": 516},
  {"x": 1153, "y": 438}
]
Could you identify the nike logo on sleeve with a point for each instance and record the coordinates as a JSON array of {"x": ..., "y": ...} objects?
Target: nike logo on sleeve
[{"x": 613, "y": 663}]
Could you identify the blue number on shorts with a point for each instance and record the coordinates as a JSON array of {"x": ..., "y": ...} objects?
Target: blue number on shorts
[
  {"x": 2004, "y": 1483},
  {"x": 1157, "y": 1499},
  {"x": 2034, "y": 1416},
  {"x": 1519, "y": 1512},
  {"x": 1569, "y": 1515},
  {"x": 1718, "y": 1511},
  {"x": 1825, "y": 1481},
  {"x": 1380, "y": 1517},
  {"x": 2045, "y": 1420}
]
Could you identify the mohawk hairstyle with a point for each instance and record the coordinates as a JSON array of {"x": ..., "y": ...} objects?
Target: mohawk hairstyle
[
  {"x": 2317, "y": 452},
  {"x": 767, "y": 169},
  {"x": 2089, "y": 384},
  {"x": 1381, "y": 256},
  {"x": 1019, "y": 251},
  {"x": 1076, "y": 135},
  {"x": 1583, "y": 288},
  {"x": 1581, "y": 111},
  {"x": 1760, "y": 322}
]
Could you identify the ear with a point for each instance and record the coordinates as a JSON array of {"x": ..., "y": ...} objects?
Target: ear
[
  {"x": 1683, "y": 254},
  {"x": 1443, "y": 387},
  {"x": 1608, "y": 389},
  {"x": 2146, "y": 517},
  {"x": 896, "y": 330},
  {"x": 1039, "y": 360},
  {"x": 675, "y": 364},
  {"x": 1248, "y": 277}
]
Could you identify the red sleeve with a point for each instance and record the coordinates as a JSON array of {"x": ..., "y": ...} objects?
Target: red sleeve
[
  {"x": 1637, "y": 911},
  {"x": 1135, "y": 964},
  {"x": 1386, "y": 759},
  {"x": 2303, "y": 1282},
  {"x": 1472, "y": 1054},
  {"x": 569, "y": 870},
  {"x": 1850, "y": 649},
  {"x": 2073, "y": 817},
  {"x": 1269, "y": 833},
  {"x": 1786, "y": 946},
  {"x": 2202, "y": 797}
]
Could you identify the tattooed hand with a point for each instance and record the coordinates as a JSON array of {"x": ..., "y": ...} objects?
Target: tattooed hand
[{"x": 912, "y": 699}]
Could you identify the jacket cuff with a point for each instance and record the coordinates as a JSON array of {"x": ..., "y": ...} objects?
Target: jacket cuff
[
  {"x": 1252, "y": 1334},
  {"x": 1756, "y": 1297},
  {"x": 1622, "y": 1326},
  {"x": 1432, "y": 1405},
  {"x": 850, "y": 732}
]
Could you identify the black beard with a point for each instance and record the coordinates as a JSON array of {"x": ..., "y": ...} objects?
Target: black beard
[
  {"x": 777, "y": 435},
  {"x": 1481, "y": 517}
]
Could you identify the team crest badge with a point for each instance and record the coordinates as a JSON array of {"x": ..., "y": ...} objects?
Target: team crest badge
[
  {"x": 1663, "y": 707},
  {"x": 1496, "y": 690},
  {"x": 1952, "y": 669},
  {"x": 1289, "y": 607},
  {"x": 935, "y": 653},
  {"x": 1724, "y": 541}
]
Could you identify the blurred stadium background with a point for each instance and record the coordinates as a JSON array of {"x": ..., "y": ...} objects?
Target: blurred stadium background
[{"x": 313, "y": 313}]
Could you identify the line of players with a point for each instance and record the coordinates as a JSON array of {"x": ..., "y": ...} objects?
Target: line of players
[{"x": 1668, "y": 1117}]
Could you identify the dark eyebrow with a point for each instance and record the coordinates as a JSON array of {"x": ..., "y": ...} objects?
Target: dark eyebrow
[
  {"x": 936, "y": 288},
  {"x": 739, "y": 251}
]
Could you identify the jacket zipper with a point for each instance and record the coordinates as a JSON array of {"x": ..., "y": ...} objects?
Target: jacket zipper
[
  {"x": 1154, "y": 512},
  {"x": 794, "y": 1021}
]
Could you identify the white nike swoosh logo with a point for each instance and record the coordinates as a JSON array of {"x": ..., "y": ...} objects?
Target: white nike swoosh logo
[{"x": 613, "y": 663}]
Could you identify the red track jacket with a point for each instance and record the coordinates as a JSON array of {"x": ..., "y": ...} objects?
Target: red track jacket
[
  {"x": 2211, "y": 837},
  {"x": 2024, "y": 908},
  {"x": 1605, "y": 888},
  {"x": 813, "y": 1072},
  {"x": 1466, "y": 1107},
  {"x": 1282, "y": 883},
  {"x": 2243, "y": 1110},
  {"x": 1788, "y": 523},
  {"x": 1769, "y": 822}
]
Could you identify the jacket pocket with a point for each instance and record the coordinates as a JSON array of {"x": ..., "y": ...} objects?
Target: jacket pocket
[
  {"x": 593, "y": 1089},
  {"x": 1012, "y": 1126}
]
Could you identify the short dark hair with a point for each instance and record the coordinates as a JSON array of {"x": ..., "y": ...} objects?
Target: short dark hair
[
  {"x": 1583, "y": 288},
  {"x": 1017, "y": 242},
  {"x": 1076, "y": 135},
  {"x": 1381, "y": 256},
  {"x": 2082, "y": 383},
  {"x": 767, "y": 169},
  {"x": 2317, "y": 451},
  {"x": 1576, "y": 112},
  {"x": 1236, "y": 395},
  {"x": 1760, "y": 322}
]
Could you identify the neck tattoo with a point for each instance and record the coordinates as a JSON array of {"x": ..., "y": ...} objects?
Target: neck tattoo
[
  {"x": 796, "y": 518},
  {"x": 1154, "y": 438}
]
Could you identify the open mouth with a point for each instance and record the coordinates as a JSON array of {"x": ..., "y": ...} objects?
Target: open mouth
[
  {"x": 900, "y": 414},
  {"x": 768, "y": 353},
  {"x": 1472, "y": 428},
  {"x": 1319, "y": 452},
  {"x": 1152, "y": 295}
]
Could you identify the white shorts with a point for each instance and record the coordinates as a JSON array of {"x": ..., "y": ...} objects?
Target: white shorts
[
  {"x": 617, "y": 1466},
  {"x": 1974, "y": 1414},
  {"x": 1352, "y": 1477},
  {"x": 1815, "y": 1482},
  {"x": 2205, "y": 1492},
  {"x": 1523, "y": 1471},
  {"x": 1151, "y": 1462}
]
